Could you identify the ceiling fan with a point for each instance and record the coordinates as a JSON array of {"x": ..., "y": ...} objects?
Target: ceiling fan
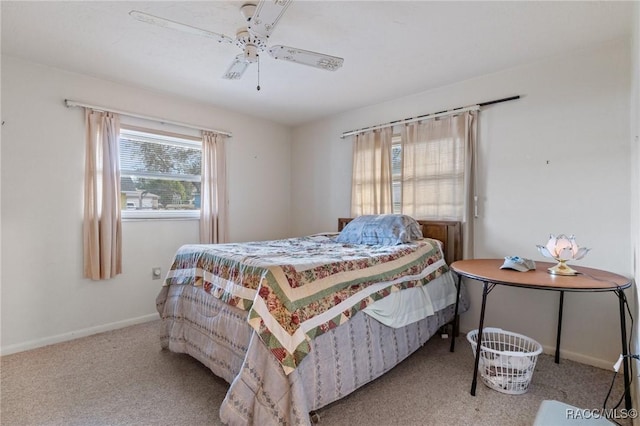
[{"x": 261, "y": 20}]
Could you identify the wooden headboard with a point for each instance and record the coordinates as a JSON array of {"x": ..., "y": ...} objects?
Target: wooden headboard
[{"x": 447, "y": 231}]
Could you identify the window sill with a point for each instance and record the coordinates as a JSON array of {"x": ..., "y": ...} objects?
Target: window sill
[{"x": 132, "y": 215}]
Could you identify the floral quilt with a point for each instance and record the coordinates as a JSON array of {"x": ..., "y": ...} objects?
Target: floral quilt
[{"x": 299, "y": 288}]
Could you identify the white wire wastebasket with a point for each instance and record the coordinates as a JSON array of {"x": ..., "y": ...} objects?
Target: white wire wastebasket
[{"x": 507, "y": 359}]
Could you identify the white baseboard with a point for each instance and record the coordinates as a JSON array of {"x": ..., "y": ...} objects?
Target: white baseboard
[
  {"x": 38, "y": 343},
  {"x": 572, "y": 356},
  {"x": 581, "y": 358}
]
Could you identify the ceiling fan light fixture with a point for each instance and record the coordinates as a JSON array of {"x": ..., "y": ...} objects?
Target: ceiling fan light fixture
[{"x": 251, "y": 53}]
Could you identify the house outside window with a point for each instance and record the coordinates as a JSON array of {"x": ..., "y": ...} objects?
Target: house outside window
[{"x": 160, "y": 175}]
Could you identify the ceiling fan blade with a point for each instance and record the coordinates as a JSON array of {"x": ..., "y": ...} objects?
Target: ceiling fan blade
[
  {"x": 166, "y": 23},
  {"x": 299, "y": 56},
  {"x": 266, "y": 16},
  {"x": 237, "y": 68}
]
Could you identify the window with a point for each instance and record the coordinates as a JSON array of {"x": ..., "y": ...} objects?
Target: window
[
  {"x": 424, "y": 170},
  {"x": 396, "y": 173},
  {"x": 433, "y": 186},
  {"x": 432, "y": 182},
  {"x": 160, "y": 174}
]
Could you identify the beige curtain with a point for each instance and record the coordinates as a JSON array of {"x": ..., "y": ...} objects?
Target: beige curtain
[
  {"x": 102, "y": 227},
  {"x": 372, "y": 179},
  {"x": 214, "y": 204},
  {"x": 438, "y": 170}
]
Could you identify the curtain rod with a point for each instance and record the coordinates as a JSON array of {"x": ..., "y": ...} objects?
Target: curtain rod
[
  {"x": 432, "y": 115},
  {"x": 70, "y": 104}
]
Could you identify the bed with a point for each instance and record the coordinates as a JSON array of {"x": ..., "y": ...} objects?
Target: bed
[{"x": 294, "y": 325}]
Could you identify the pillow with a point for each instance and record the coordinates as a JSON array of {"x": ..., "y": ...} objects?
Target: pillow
[{"x": 385, "y": 229}]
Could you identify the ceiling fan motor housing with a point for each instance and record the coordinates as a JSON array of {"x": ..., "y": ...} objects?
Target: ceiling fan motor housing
[
  {"x": 250, "y": 44},
  {"x": 247, "y": 10}
]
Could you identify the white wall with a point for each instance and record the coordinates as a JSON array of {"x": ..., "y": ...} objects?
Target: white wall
[
  {"x": 44, "y": 297},
  {"x": 555, "y": 161}
]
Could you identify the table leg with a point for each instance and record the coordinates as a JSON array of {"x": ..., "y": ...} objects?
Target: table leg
[
  {"x": 455, "y": 316},
  {"x": 485, "y": 292},
  {"x": 559, "y": 328},
  {"x": 625, "y": 359}
]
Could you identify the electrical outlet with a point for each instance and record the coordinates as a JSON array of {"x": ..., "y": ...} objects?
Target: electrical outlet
[{"x": 156, "y": 273}]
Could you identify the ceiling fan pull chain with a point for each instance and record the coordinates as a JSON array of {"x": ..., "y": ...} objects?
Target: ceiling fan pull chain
[{"x": 258, "y": 88}]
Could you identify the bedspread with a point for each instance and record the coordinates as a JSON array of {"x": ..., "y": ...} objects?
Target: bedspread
[
  {"x": 260, "y": 393},
  {"x": 297, "y": 289}
]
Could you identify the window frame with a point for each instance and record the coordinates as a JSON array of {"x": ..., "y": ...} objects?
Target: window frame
[{"x": 167, "y": 138}]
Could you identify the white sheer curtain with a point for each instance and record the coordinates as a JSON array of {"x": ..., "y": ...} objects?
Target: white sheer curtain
[
  {"x": 438, "y": 170},
  {"x": 102, "y": 226},
  {"x": 371, "y": 183},
  {"x": 214, "y": 204}
]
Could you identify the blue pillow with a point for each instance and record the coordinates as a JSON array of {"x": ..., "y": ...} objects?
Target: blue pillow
[{"x": 385, "y": 229}]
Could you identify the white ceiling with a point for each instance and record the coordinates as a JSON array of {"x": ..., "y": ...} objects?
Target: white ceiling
[{"x": 390, "y": 48}]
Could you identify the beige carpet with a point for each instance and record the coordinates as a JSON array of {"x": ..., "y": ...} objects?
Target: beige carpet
[{"x": 124, "y": 378}]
